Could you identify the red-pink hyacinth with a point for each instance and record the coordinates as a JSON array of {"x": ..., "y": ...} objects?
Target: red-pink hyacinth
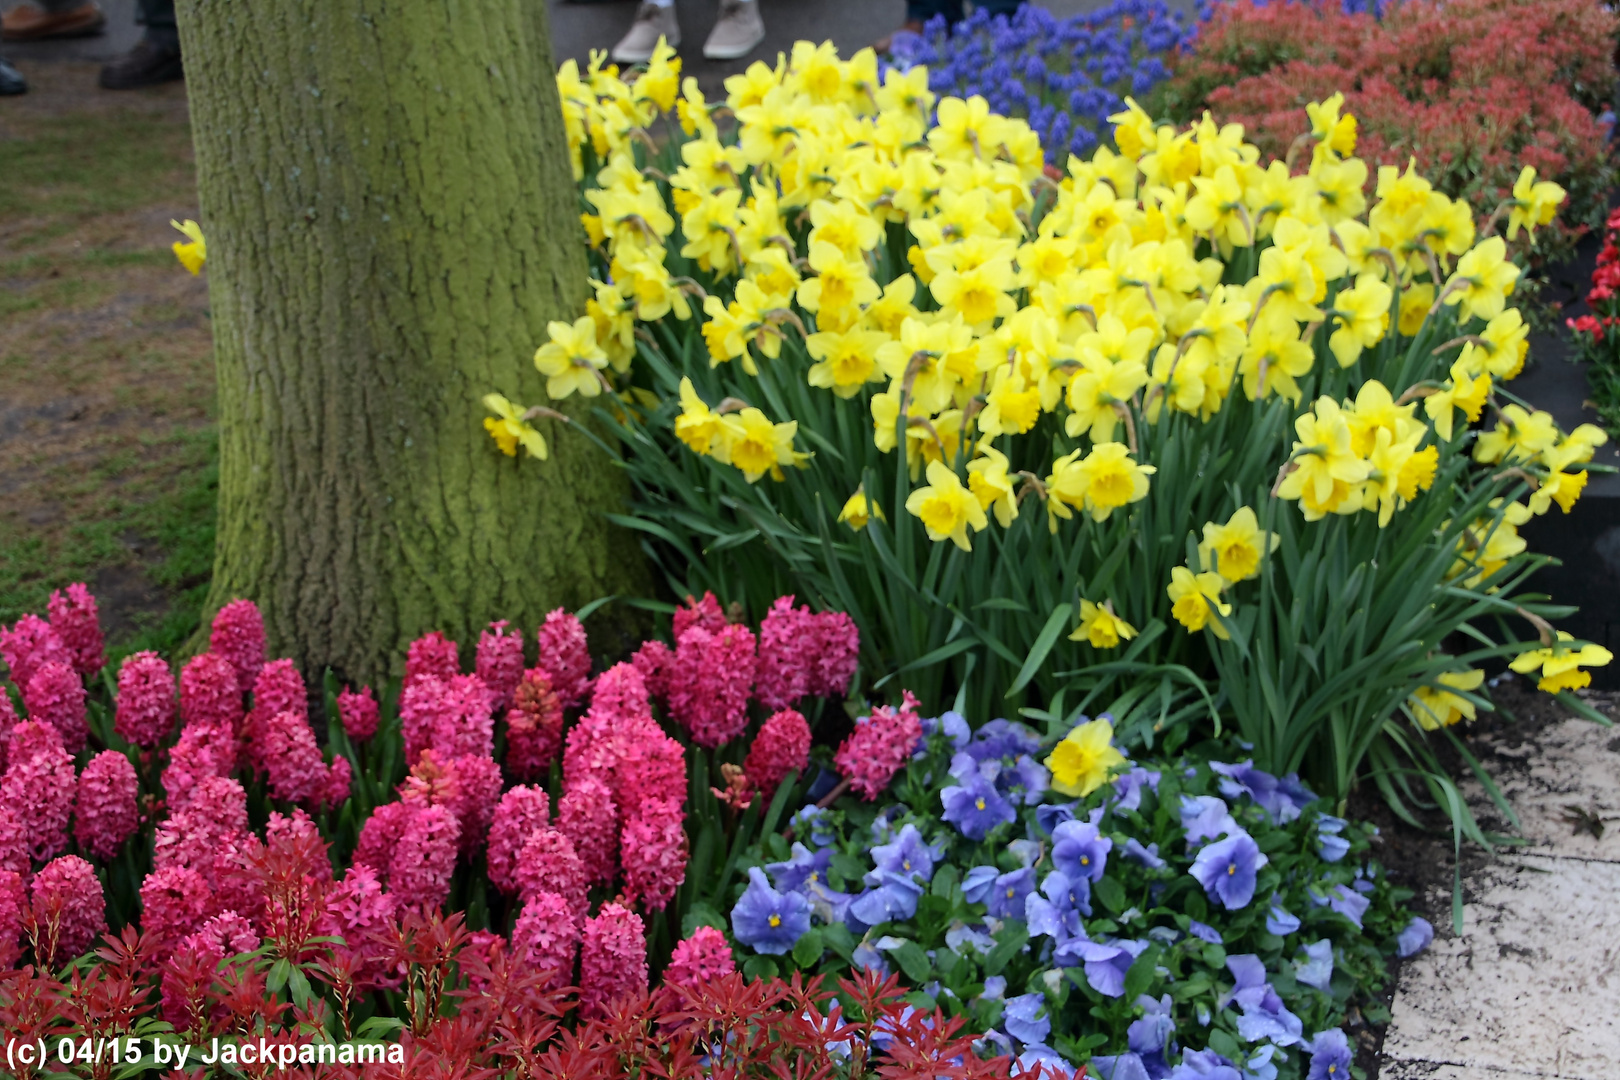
[
  {"x": 380, "y": 834},
  {"x": 587, "y": 815},
  {"x": 145, "y": 713},
  {"x": 500, "y": 662},
  {"x": 237, "y": 634},
  {"x": 77, "y": 623},
  {"x": 705, "y": 613},
  {"x": 787, "y": 645},
  {"x": 453, "y": 717},
  {"x": 522, "y": 810},
  {"x": 13, "y": 917},
  {"x": 106, "y": 812},
  {"x": 710, "y": 683},
  {"x": 878, "y": 747},
  {"x": 285, "y": 750},
  {"x": 619, "y": 712},
  {"x": 55, "y": 696},
  {"x": 175, "y": 902},
  {"x": 339, "y": 778},
  {"x": 546, "y": 939},
  {"x": 14, "y": 840},
  {"x": 612, "y": 959},
  {"x": 213, "y": 819},
  {"x": 280, "y": 688},
  {"x": 209, "y": 693},
  {"x": 8, "y": 720},
  {"x": 653, "y": 850},
  {"x": 359, "y": 713},
  {"x": 69, "y": 911},
  {"x": 782, "y": 746},
  {"x": 39, "y": 785},
  {"x": 654, "y": 661},
  {"x": 565, "y": 656},
  {"x": 700, "y": 959},
  {"x": 419, "y": 872},
  {"x": 357, "y": 905},
  {"x": 431, "y": 654},
  {"x": 548, "y": 863},
  {"x": 201, "y": 752},
  {"x": 228, "y": 933},
  {"x": 836, "y": 656},
  {"x": 287, "y": 831},
  {"x": 28, "y": 644},
  {"x": 468, "y": 785},
  {"x": 534, "y": 726},
  {"x": 651, "y": 766}
]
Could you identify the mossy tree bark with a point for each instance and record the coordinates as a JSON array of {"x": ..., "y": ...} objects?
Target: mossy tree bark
[{"x": 391, "y": 222}]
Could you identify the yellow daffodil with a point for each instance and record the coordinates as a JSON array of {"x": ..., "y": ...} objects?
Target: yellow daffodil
[
  {"x": 696, "y": 426},
  {"x": 946, "y": 508},
  {"x": 571, "y": 359},
  {"x": 509, "y": 430},
  {"x": 193, "y": 251},
  {"x": 845, "y": 361},
  {"x": 990, "y": 484},
  {"x": 1483, "y": 281},
  {"x": 1234, "y": 550},
  {"x": 1085, "y": 759},
  {"x": 1194, "y": 598},
  {"x": 749, "y": 441},
  {"x": 1561, "y": 664},
  {"x": 1534, "y": 203},
  {"x": 1362, "y": 314},
  {"x": 1100, "y": 627},
  {"x": 859, "y": 509},
  {"x": 1464, "y": 391},
  {"x": 1438, "y": 705}
]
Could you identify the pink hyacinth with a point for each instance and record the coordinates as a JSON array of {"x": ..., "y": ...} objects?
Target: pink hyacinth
[
  {"x": 379, "y": 836},
  {"x": 619, "y": 713},
  {"x": 836, "y": 656},
  {"x": 145, "y": 713},
  {"x": 654, "y": 660},
  {"x": 357, "y": 906},
  {"x": 880, "y": 746},
  {"x": 705, "y": 613},
  {"x": 546, "y": 939},
  {"x": 453, "y": 717},
  {"x": 654, "y": 852},
  {"x": 69, "y": 911},
  {"x": 28, "y": 644},
  {"x": 534, "y": 726},
  {"x": 13, "y": 917},
  {"x": 700, "y": 959},
  {"x": 280, "y": 688},
  {"x": 651, "y": 766},
  {"x": 500, "y": 662},
  {"x": 175, "y": 902},
  {"x": 77, "y": 623},
  {"x": 8, "y": 720},
  {"x": 213, "y": 819},
  {"x": 39, "y": 785},
  {"x": 359, "y": 713},
  {"x": 710, "y": 683},
  {"x": 14, "y": 840},
  {"x": 787, "y": 644},
  {"x": 55, "y": 696},
  {"x": 521, "y": 811},
  {"x": 286, "y": 751},
  {"x": 565, "y": 655},
  {"x": 587, "y": 815},
  {"x": 237, "y": 634},
  {"x": 419, "y": 872},
  {"x": 226, "y": 934},
  {"x": 612, "y": 959},
  {"x": 434, "y": 655},
  {"x": 201, "y": 752},
  {"x": 468, "y": 786},
  {"x": 106, "y": 812},
  {"x": 782, "y": 746},
  {"x": 209, "y": 693},
  {"x": 548, "y": 863},
  {"x": 339, "y": 777}
]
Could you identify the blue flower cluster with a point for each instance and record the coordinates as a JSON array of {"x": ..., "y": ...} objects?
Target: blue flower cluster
[
  {"x": 1189, "y": 900},
  {"x": 1375, "y": 8},
  {"x": 1064, "y": 76}
]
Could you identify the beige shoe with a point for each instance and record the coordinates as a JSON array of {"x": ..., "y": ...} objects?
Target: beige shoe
[
  {"x": 738, "y": 31},
  {"x": 652, "y": 22},
  {"x": 31, "y": 22}
]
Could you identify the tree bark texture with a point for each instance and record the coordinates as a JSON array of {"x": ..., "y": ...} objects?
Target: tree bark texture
[{"x": 391, "y": 222}]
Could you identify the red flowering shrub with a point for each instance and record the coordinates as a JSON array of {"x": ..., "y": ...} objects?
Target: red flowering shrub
[
  {"x": 1597, "y": 334},
  {"x": 1473, "y": 89}
]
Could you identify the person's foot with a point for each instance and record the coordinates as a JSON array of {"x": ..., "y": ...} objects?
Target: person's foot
[
  {"x": 737, "y": 32},
  {"x": 31, "y": 22},
  {"x": 884, "y": 44},
  {"x": 147, "y": 64},
  {"x": 11, "y": 80},
  {"x": 652, "y": 22}
]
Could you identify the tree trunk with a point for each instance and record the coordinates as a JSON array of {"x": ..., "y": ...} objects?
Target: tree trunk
[{"x": 391, "y": 222}]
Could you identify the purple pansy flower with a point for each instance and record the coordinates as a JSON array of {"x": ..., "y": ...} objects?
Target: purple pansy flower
[
  {"x": 1049, "y": 816},
  {"x": 1204, "y": 817},
  {"x": 977, "y": 883},
  {"x": 1227, "y": 869},
  {"x": 1038, "y": 1057},
  {"x": 906, "y": 855},
  {"x": 1342, "y": 899},
  {"x": 1128, "y": 785},
  {"x": 1055, "y": 911},
  {"x": 1117, "y": 1067},
  {"x": 1080, "y": 851},
  {"x": 1316, "y": 969},
  {"x": 1264, "y": 1015},
  {"x": 1146, "y": 856},
  {"x": 1329, "y": 843},
  {"x": 1205, "y": 1065},
  {"x": 1330, "y": 1056},
  {"x": 1026, "y": 1019},
  {"x": 1006, "y": 900},
  {"x": 1204, "y": 932},
  {"x": 893, "y": 898},
  {"x": 768, "y": 921},
  {"x": 1278, "y": 920},
  {"x": 975, "y": 806},
  {"x": 803, "y": 868},
  {"x": 1105, "y": 963},
  {"x": 1415, "y": 938},
  {"x": 1152, "y": 1038}
]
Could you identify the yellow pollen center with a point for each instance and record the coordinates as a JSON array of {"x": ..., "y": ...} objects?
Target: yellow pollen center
[
  {"x": 1230, "y": 870},
  {"x": 979, "y": 803},
  {"x": 1085, "y": 860},
  {"x": 1011, "y": 892},
  {"x": 776, "y": 920}
]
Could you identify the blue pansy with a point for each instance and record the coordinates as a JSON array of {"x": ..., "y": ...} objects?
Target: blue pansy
[
  {"x": 1127, "y": 794},
  {"x": 1146, "y": 856},
  {"x": 975, "y": 806},
  {"x": 893, "y": 898},
  {"x": 1316, "y": 969},
  {"x": 1152, "y": 1038},
  {"x": 1204, "y": 817},
  {"x": 1264, "y": 1015},
  {"x": 1204, "y": 932},
  {"x": 1025, "y": 1018},
  {"x": 1080, "y": 851},
  {"x": 1278, "y": 920},
  {"x": 1227, "y": 869},
  {"x": 768, "y": 921},
  {"x": 1117, "y": 1067},
  {"x": 1007, "y": 896},
  {"x": 1105, "y": 963},
  {"x": 804, "y": 866},
  {"x": 1055, "y": 911},
  {"x": 1039, "y": 1057},
  {"x": 905, "y": 855},
  {"x": 972, "y": 937},
  {"x": 1205, "y": 1065},
  {"x": 815, "y": 821},
  {"x": 977, "y": 883},
  {"x": 1342, "y": 899},
  {"x": 1329, "y": 843},
  {"x": 1330, "y": 1056},
  {"x": 1415, "y": 938}
]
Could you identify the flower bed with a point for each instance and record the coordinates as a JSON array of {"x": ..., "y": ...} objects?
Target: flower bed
[
  {"x": 1472, "y": 89},
  {"x": 1596, "y": 335}
]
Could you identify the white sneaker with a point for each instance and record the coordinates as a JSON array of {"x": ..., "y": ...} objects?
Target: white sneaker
[
  {"x": 652, "y": 22},
  {"x": 737, "y": 32}
]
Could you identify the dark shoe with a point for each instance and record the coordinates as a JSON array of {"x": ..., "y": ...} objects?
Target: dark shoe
[
  {"x": 147, "y": 64},
  {"x": 31, "y": 22},
  {"x": 11, "y": 80}
]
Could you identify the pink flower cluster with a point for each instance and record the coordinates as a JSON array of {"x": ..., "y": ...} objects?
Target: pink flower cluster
[
  {"x": 782, "y": 746},
  {"x": 563, "y": 655},
  {"x": 106, "y": 807},
  {"x": 28, "y": 644},
  {"x": 145, "y": 713},
  {"x": 700, "y": 959},
  {"x": 55, "y": 696},
  {"x": 77, "y": 623},
  {"x": 67, "y": 910},
  {"x": 612, "y": 959},
  {"x": 359, "y": 713},
  {"x": 879, "y": 747},
  {"x": 39, "y": 784},
  {"x": 237, "y": 634},
  {"x": 451, "y": 716},
  {"x": 804, "y": 654},
  {"x": 534, "y": 726},
  {"x": 500, "y": 662},
  {"x": 709, "y": 683}
]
